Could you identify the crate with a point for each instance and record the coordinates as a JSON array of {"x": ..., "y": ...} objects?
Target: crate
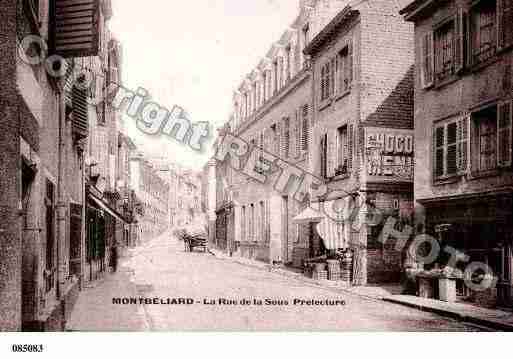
[{"x": 320, "y": 275}]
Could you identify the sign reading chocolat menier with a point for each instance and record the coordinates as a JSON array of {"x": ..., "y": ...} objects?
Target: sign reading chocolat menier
[{"x": 389, "y": 154}]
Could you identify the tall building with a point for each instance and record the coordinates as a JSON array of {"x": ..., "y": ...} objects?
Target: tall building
[
  {"x": 362, "y": 132},
  {"x": 463, "y": 136},
  {"x": 43, "y": 148}
]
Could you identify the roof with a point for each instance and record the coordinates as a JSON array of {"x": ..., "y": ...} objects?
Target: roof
[
  {"x": 329, "y": 30},
  {"x": 416, "y": 8}
]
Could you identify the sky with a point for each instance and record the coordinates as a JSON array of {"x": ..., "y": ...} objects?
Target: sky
[{"x": 193, "y": 54}]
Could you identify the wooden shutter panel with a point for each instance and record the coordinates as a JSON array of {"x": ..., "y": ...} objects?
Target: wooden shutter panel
[
  {"x": 427, "y": 60},
  {"x": 324, "y": 153},
  {"x": 459, "y": 58},
  {"x": 306, "y": 129},
  {"x": 438, "y": 151},
  {"x": 278, "y": 140},
  {"x": 463, "y": 144},
  {"x": 349, "y": 63},
  {"x": 350, "y": 145},
  {"x": 74, "y": 28},
  {"x": 80, "y": 123},
  {"x": 504, "y": 134},
  {"x": 332, "y": 152},
  {"x": 504, "y": 23},
  {"x": 333, "y": 75},
  {"x": 297, "y": 135}
]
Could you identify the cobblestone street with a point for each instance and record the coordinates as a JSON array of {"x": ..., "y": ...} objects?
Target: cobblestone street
[{"x": 161, "y": 269}]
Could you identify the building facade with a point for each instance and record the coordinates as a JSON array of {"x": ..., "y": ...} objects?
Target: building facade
[
  {"x": 332, "y": 99},
  {"x": 44, "y": 144},
  {"x": 463, "y": 140},
  {"x": 362, "y": 136},
  {"x": 152, "y": 190}
]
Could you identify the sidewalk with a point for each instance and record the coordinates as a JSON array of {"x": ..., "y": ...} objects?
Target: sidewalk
[
  {"x": 94, "y": 310},
  {"x": 492, "y": 318},
  {"x": 368, "y": 292},
  {"x": 496, "y": 319}
]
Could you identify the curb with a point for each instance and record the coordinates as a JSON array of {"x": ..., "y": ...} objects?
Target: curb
[{"x": 454, "y": 315}]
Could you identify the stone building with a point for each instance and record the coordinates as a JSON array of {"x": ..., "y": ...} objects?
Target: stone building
[
  {"x": 43, "y": 148},
  {"x": 325, "y": 99},
  {"x": 152, "y": 191},
  {"x": 463, "y": 138},
  {"x": 362, "y": 131},
  {"x": 272, "y": 112}
]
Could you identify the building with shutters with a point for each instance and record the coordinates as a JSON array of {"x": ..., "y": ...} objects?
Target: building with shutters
[
  {"x": 362, "y": 130},
  {"x": 272, "y": 112},
  {"x": 43, "y": 145},
  {"x": 463, "y": 140}
]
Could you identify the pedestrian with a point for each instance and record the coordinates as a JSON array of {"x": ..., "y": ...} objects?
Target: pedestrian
[{"x": 114, "y": 258}]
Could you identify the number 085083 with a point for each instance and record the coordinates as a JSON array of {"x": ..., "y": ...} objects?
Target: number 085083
[{"x": 27, "y": 348}]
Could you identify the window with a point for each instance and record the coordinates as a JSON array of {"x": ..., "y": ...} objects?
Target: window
[
  {"x": 252, "y": 224},
  {"x": 324, "y": 156},
  {"x": 486, "y": 128},
  {"x": 492, "y": 137},
  {"x": 288, "y": 62},
  {"x": 343, "y": 151},
  {"x": 484, "y": 31},
  {"x": 444, "y": 50},
  {"x": 345, "y": 69},
  {"x": 275, "y": 139},
  {"x": 275, "y": 77},
  {"x": 450, "y": 143},
  {"x": 263, "y": 222},
  {"x": 327, "y": 80}
]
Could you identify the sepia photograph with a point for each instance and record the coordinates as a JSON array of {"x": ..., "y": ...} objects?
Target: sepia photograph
[{"x": 254, "y": 166}]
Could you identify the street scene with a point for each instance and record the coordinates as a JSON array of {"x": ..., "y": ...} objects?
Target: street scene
[
  {"x": 163, "y": 269},
  {"x": 256, "y": 165}
]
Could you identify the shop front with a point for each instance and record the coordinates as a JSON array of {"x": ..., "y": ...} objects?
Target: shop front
[{"x": 480, "y": 227}]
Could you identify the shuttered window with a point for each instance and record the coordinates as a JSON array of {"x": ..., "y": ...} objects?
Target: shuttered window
[
  {"x": 450, "y": 148},
  {"x": 74, "y": 28},
  {"x": 345, "y": 68},
  {"x": 444, "y": 50},
  {"x": 484, "y": 31}
]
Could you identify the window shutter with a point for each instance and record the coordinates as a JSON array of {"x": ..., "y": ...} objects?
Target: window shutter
[
  {"x": 349, "y": 66},
  {"x": 332, "y": 153},
  {"x": 287, "y": 129},
  {"x": 324, "y": 152},
  {"x": 452, "y": 144},
  {"x": 306, "y": 129},
  {"x": 459, "y": 58},
  {"x": 504, "y": 23},
  {"x": 80, "y": 123},
  {"x": 298, "y": 130},
  {"x": 333, "y": 75},
  {"x": 463, "y": 144},
  {"x": 504, "y": 119},
  {"x": 438, "y": 151},
  {"x": 427, "y": 60},
  {"x": 277, "y": 139},
  {"x": 350, "y": 145},
  {"x": 75, "y": 28}
]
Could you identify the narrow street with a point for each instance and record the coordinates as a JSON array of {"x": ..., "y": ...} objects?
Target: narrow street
[{"x": 161, "y": 269}]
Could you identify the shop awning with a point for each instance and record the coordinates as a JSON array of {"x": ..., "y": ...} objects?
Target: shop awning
[
  {"x": 309, "y": 215},
  {"x": 330, "y": 231},
  {"x": 107, "y": 208}
]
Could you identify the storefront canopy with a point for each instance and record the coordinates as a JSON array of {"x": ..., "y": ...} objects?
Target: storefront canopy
[
  {"x": 106, "y": 208},
  {"x": 309, "y": 215},
  {"x": 330, "y": 231}
]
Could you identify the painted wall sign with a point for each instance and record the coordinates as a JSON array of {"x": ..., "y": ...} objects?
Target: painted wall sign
[{"x": 389, "y": 154}]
